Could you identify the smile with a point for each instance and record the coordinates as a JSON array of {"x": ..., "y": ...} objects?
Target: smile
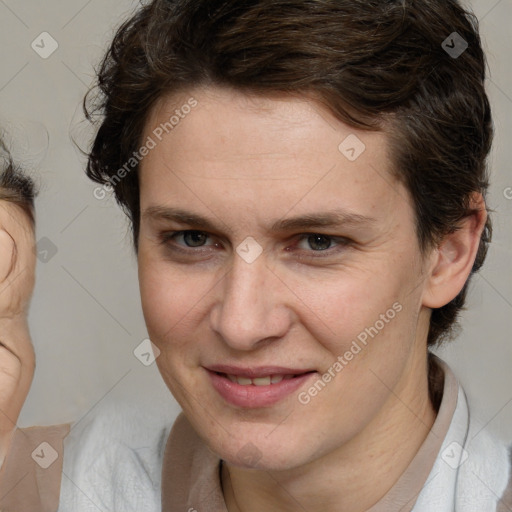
[
  {"x": 257, "y": 390},
  {"x": 257, "y": 381}
]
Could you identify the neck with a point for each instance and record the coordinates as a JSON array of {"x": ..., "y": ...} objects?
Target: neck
[{"x": 353, "y": 477}]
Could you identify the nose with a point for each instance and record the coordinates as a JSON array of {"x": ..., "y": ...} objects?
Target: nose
[{"x": 251, "y": 308}]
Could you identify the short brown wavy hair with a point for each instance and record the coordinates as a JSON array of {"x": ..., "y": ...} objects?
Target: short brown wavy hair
[{"x": 366, "y": 60}]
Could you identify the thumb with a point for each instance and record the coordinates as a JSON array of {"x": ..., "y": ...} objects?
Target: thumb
[{"x": 7, "y": 248}]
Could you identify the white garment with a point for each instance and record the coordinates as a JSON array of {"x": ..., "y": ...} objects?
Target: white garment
[
  {"x": 471, "y": 471},
  {"x": 113, "y": 463},
  {"x": 113, "y": 459}
]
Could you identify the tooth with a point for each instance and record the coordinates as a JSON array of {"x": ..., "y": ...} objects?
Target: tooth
[
  {"x": 232, "y": 378},
  {"x": 286, "y": 377},
  {"x": 276, "y": 379},
  {"x": 261, "y": 381},
  {"x": 243, "y": 381}
]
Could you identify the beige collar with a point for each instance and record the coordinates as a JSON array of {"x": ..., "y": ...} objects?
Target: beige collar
[{"x": 31, "y": 475}]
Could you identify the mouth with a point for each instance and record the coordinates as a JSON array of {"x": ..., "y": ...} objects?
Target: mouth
[
  {"x": 256, "y": 387},
  {"x": 268, "y": 380}
]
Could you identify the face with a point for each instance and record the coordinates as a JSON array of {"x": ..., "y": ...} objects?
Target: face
[{"x": 275, "y": 247}]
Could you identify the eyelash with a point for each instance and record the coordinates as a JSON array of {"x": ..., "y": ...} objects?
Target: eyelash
[{"x": 167, "y": 237}]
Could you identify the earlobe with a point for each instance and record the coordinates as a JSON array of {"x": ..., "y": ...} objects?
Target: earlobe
[{"x": 454, "y": 258}]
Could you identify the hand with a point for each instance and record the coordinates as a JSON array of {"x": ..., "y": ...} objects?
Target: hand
[{"x": 17, "y": 277}]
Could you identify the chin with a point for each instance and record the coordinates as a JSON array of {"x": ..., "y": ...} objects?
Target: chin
[{"x": 248, "y": 453}]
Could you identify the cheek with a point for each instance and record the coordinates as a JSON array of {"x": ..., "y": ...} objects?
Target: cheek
[
  {"x": 338, "y": 307},
  {"x": 168, "y": 298},
  {"x": 171, "y": 298},
  {"x": 366, "y": 318}
]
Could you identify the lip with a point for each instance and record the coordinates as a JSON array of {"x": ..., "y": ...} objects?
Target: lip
[
  {"x": 257, "y": 371},
  {"x": 252, "y": 396}
]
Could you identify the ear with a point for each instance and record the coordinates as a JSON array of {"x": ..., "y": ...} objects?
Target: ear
[{"x": 452, "y": 261}]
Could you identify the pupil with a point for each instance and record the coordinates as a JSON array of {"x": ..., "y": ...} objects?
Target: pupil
[
  {"x": 319, "y": 242},
  {"x": 194, "y": 238}
]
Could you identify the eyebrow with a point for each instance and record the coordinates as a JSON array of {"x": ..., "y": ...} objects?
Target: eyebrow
[{"x": 333, "y": 218}]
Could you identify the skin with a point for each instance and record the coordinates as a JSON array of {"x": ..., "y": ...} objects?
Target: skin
[
  {"x": 17, "y": 277},
  {"x": 244, "y": 162}
]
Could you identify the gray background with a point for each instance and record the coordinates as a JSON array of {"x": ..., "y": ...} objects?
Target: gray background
[{"x": 86, "y": 318}]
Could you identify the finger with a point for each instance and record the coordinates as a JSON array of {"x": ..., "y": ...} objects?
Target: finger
[{"x": 7, "y": 246}]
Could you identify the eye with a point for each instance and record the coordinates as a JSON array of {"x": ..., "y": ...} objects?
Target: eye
[
  {"x": 191, "y": 238},
  {"x": 318, "y": 242},
  {"x": 194, "y": 238},
  {"x": 318, "y": 245}
]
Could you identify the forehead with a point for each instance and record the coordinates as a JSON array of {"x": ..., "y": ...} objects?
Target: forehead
[
  {"x": 262, "y": 152},
  {"x": 250, "y": 125}
]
